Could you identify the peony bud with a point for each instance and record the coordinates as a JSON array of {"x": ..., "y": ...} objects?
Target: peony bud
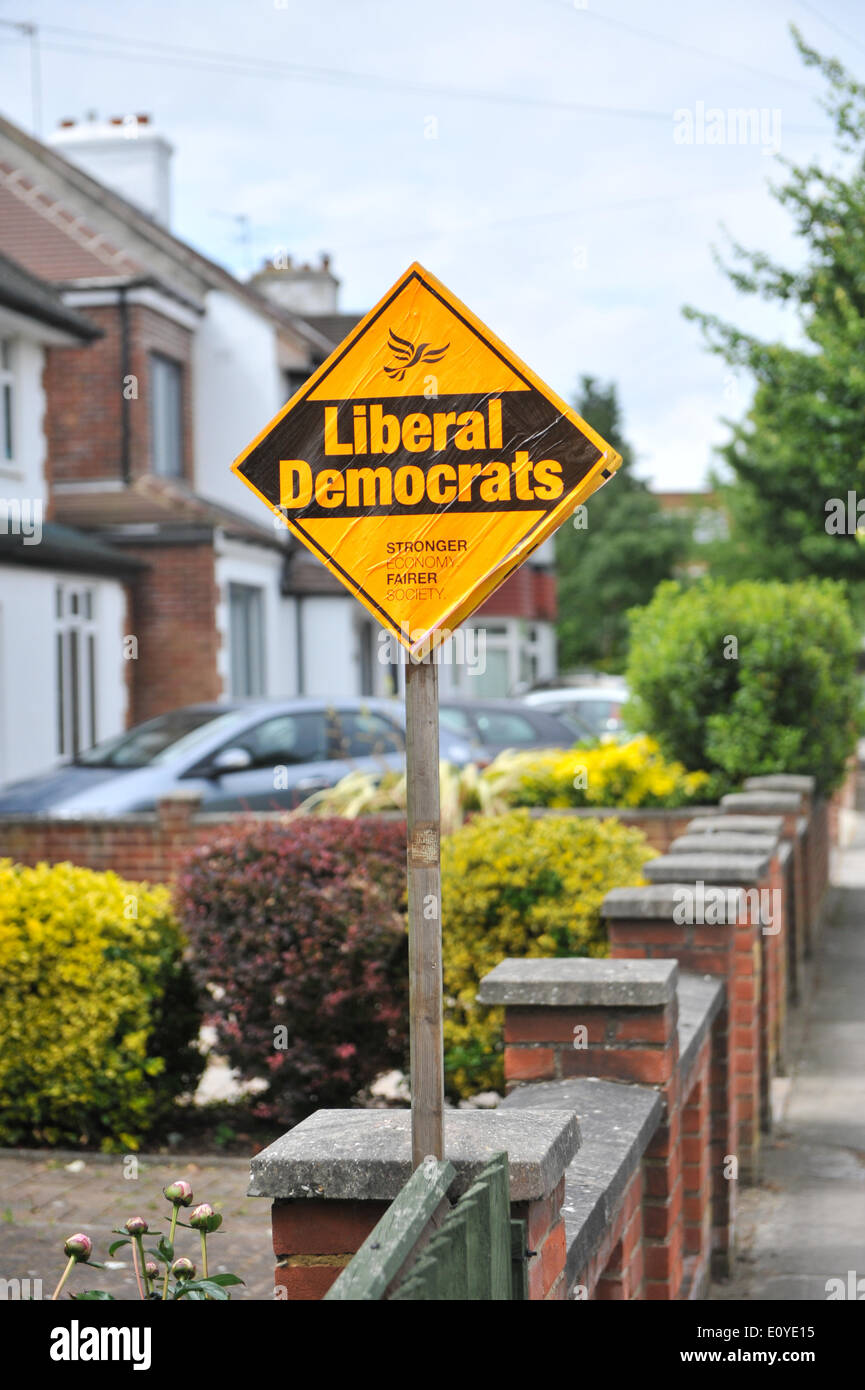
[
  {"x": 183, "y": 1268},
  {"x": 178, "y": 1192},
  {"x": 204, "y": 1218},
  {"x": 137, "y": 1226},
  {"x": 79, "y": 1246},
  {"x": 151, "y": 1269}
]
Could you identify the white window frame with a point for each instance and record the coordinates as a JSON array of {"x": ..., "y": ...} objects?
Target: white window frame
[
  {"x": 76, "y": 668},
  {"x": 254, "y": 677},
  {"x": 160, "y": 362}
]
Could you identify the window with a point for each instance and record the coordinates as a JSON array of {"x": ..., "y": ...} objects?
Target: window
[
  {"x": 365, "y": 735},
  {"x": 75, "y": 648},
  {"x": 246, "y": 639},
  {"x": 504, "y": 727},
  {"x": 7, "y": 402},
  {"x": 286, "y": 739},
  {"x": 166, "y": 416}
]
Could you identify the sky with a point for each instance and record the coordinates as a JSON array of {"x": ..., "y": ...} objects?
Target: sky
[{"x": 531, "y": 153}]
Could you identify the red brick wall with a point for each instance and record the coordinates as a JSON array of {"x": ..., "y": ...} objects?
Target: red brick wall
[
  {"x": 145, "y": 847},
  {"x": 84, "y": 390},
  {"x": 85, "y": 405},
  {"x": 174, "y": 619}
]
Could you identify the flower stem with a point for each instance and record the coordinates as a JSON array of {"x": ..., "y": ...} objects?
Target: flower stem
[
  {"x": 203, "y": 1235},
  {"x": 64, "y": 1276},
  {"x": 171, "y": 1243},
  {"x": 136, "y": 1249}
]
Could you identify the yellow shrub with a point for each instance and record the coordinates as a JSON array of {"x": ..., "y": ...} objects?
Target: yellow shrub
[
  {"x": 516, "y": 886},
  {"x": 96, "y": 1013},
  {"x": 629, "y": 774}
]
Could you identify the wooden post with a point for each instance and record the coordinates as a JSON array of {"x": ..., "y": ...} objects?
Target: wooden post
[{"x": 424, "y": 910}]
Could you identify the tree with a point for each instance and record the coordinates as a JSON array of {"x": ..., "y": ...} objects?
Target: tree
[
  {"x": 614, "y": 552},
  {"x": 801, "y": 447}
]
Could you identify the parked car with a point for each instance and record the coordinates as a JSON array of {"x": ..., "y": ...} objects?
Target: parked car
[
  {"x": 592, "y": 711},
  {"x": 491, "y": 726},
  {"x": 239, "y": 755}
]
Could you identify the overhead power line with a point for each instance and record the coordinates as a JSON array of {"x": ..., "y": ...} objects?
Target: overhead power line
[{"x": 90, "y": 43}]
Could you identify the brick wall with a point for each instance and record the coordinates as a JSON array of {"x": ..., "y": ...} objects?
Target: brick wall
[
  {"x": 149, "y": 847},
  {"x": 85, "y": 404},
  {"x": 174, "y": 618}
]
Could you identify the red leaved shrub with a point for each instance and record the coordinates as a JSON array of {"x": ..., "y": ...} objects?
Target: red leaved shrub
[{"x": 298, "y": 938}]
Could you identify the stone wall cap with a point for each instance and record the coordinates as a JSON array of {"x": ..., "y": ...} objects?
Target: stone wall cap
[
  {"x": 744, "y": 825},
  {"x": 762, "y": 801},
  {"x": 365, "y": 1155},
  {"x": 589, "y": 983},
  {"x": 782, "y": 782},
  {"x": 724, "y": 842},
  {"x": 655, "y": 901},
  {"x": 707, "y": 867}
]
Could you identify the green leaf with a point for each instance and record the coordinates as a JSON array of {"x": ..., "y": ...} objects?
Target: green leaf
[
  {"x": 94, "y": 1296},
  {"x": 116, "y": 1244}
]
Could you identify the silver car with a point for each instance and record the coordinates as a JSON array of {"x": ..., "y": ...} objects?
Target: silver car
[{"x": 240, "y": 755}]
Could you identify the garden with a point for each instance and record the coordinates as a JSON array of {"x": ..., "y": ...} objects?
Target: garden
[{"x": 287, "y": 940}]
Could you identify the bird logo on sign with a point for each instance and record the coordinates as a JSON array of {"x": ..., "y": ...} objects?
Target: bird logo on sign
[{"x": 407, "y": 355}]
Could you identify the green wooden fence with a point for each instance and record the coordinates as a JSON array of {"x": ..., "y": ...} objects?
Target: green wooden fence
[{"x": 425, "y": 1249}]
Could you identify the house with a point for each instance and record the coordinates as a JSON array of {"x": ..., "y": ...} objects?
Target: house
[
  {"x": 63, "y": 593},
  {"x": 179, "y": 366}
]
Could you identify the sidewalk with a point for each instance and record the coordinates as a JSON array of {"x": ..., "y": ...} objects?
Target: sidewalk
[{"x": 805, "y": 1223}]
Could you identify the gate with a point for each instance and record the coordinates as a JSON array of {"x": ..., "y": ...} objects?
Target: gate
[{"x": 425, "y": 1249}]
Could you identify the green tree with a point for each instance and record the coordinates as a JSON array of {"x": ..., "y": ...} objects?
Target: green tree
[
  {"x": 614, "y": 552},
  {"x": 801, "y": 444}
]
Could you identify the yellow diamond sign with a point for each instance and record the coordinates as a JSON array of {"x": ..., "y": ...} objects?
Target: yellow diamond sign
[{"x": 423, "y": 462}]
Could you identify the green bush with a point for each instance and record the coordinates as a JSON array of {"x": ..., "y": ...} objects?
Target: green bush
[
  {"x": 749, "y": 678},
  {"x": 517, "y": 886},
  {"x": 97, "y": 1010}
]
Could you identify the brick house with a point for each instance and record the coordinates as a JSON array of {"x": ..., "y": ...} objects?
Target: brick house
[
  {"x": 180, "y": 365},
  {"x": 63, "y": 594}
]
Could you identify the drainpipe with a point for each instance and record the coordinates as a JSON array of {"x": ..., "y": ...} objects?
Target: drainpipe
[
  {"x": 298, "y": 637},
  {"x": 126, "y": 404}
]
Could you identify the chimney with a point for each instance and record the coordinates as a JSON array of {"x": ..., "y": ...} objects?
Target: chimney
[
  {"x": 302, "y": 289},
  {"x": 126, "y": 154}
]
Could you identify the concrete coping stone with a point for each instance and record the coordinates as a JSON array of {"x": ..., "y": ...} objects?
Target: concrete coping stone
[
  {"x": 590, "y": 983},
  {"x": 731, "y": 842},
  {"x": 365, "y": 1155},
  {"x": 707, "y": 867},
  {"x": 617, "y": 1122},
  {"x": 765, "y": 803},
  {"x": 739, "y": 825},
  {"x": 654, "y": 902},
  {"x": 700, "y": 999},
  {"x": 799, "y": 782}
]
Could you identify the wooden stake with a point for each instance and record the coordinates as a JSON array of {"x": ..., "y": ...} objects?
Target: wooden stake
[{"x": 424, "y": 911}]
